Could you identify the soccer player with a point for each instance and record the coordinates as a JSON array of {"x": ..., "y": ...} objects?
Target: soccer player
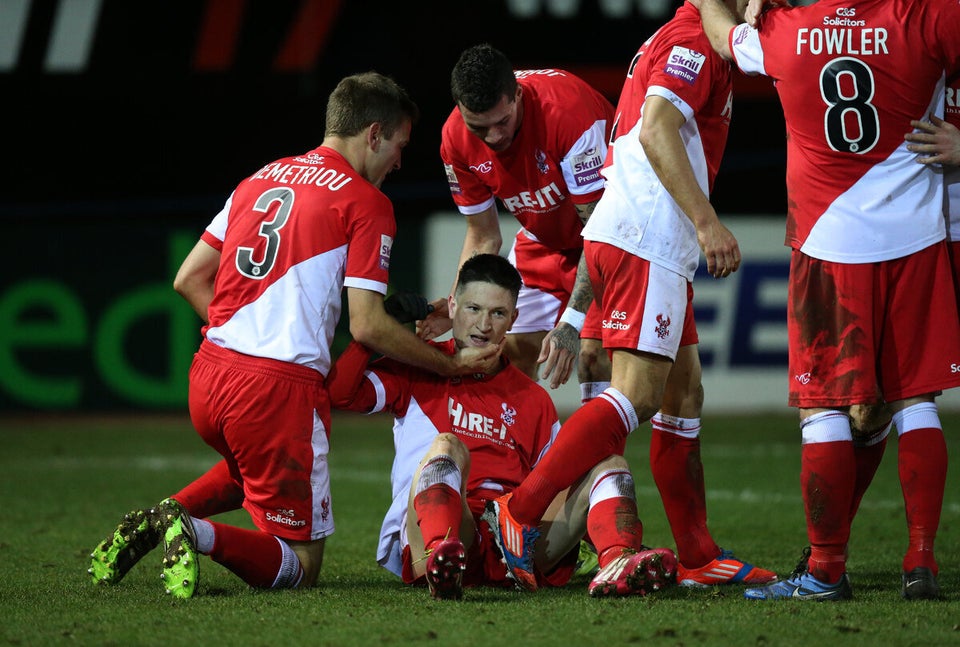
[
  {"x": 642, "y": 246},
  {"x": 536, "y": 140},
  {"x": 266, "y": 277},
  {"x": 938, "y": 140},
  {"x": 872, "y": 313},
  {"x": 465, "y": 440}
]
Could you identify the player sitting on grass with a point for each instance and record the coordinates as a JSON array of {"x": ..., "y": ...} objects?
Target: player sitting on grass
[{"x": 463, "y": 441}]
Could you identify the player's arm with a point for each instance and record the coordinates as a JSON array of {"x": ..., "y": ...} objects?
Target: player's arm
[
  {"x": 371, "y": 326},
  {"x": 661, "y": 141},
  {"x": 559, "y": 350},
  {"x": 482, "y": 237},
  {"x": 937, "y": 141},
  {"x": 195, "y": 278},
  {"x": 345, "y": 382},
  {"x": 717, "y": 22}
]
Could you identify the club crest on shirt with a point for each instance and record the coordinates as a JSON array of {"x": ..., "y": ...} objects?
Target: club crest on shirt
[
  {"x": 509, "y": 415},
  {"x": 541, "y": 158},
  {"x": 386, "y": 245},
  {"x": 452, "y": 180},
  {"x": 684, "y": 63}
]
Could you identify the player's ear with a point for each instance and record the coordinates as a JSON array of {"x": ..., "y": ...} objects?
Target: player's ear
[
  {"x": 513, "y": 319},
  {"x": 374, "y": 135}
]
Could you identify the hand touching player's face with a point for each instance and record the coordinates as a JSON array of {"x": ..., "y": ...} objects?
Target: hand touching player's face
[
  {"x": 482, "y": 314},
  {"x": 386, "y": 154},
  {"x": 498, "y": 126}
]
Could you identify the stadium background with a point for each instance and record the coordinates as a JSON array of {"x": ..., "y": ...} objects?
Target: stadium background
[{"x": 129, "y": 123}]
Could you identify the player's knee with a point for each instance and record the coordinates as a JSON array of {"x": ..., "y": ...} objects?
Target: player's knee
[
  {"x": 612, "y": 462},
  {"x": 866, "y": 420},
  {"x": 449, "y": 444},
  {"x": 310, "y": 554}
]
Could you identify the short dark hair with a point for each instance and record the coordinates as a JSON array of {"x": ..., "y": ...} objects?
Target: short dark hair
[
  {"x": 490, "y": 268},
  {"x": 362, "y": 99},
  {"x": 482, "y": 75}
]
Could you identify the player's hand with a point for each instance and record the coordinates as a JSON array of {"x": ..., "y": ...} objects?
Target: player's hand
[
  {"x": 558, "y": 354},
  {"x": 478, "y": 359},
  {"x": 407, "y": 306},
  {"x": 720, "y": 248},
  {"x": 755, "y": 9},
  {"x": 436, "y": 323},
  {"x": 937, "y": 140}
]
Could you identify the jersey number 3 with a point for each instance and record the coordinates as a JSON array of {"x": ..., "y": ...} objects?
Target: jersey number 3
[{"x": 269, "y": 229}]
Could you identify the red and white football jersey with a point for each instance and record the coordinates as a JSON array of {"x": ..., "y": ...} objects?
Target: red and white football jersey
[
  {"x": 553, "y": 163},
  {"x": 507, "y": 421},
  {"x": 291, "y": 236},
  {"x": 851, "y": 75},
  {"x": 951, "y": 174},
  {"x": 636, "y": 213}
]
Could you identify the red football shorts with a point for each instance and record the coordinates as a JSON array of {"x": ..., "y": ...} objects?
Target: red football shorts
[
  {"x": 548, "y": 277},
  {"x": 270, "y": 421},
  {"x": 643, "y": 306},
  {"x": 955, "y": 259},
  {"x": 859, "y": 329}
]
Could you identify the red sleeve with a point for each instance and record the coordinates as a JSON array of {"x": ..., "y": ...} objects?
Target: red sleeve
[{"x": 346, "y": 384}]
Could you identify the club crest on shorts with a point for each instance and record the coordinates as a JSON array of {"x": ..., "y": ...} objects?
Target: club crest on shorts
[{"x": 663, "y": 326}]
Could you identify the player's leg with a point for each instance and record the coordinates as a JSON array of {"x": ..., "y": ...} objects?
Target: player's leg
[
  {"x": 214, "y": 492},
  {"x": 870, "y": 425},
  {"x": 292, "y": 449},
  {"x": 922, "y": 467},
  {"x": 593, "y": 372},
  {"x": 821, "y": 328},
  {"x": 600, "y": 427},
  {"x": 604, "y": 502},
  {"x": 675, "y": 461},
  {"x": 593, "y": 363},
  {"x": 925, "y": 306},
  {"x": 643, "y": 347},
  {"x": 439, "y": 524},
  {"x": 678, "y": 472}
]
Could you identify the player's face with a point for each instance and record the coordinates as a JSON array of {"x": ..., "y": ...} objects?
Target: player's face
[
  {"x": 498, "y": 126},
  {"x": 387, "y": 155},
  {"x": 482, "y": 314}
]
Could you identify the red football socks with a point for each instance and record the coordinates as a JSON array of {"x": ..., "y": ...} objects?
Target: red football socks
[
  {"x": 438, "y": 509},
  {"x": 212, "y": 493},
  {"x": 678, "y": 473},
  {"x": 613, "y": 526},
  {"x": 594, "y": 431},
  {"x": 922, "y": 460}
]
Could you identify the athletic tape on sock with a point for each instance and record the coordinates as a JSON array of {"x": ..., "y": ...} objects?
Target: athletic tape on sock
[{"x": 439, "y": 469}]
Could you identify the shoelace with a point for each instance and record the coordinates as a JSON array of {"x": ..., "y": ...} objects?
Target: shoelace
[
  {"x": 803, "y": 565},
  {"x": 429, "y": 551}
]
